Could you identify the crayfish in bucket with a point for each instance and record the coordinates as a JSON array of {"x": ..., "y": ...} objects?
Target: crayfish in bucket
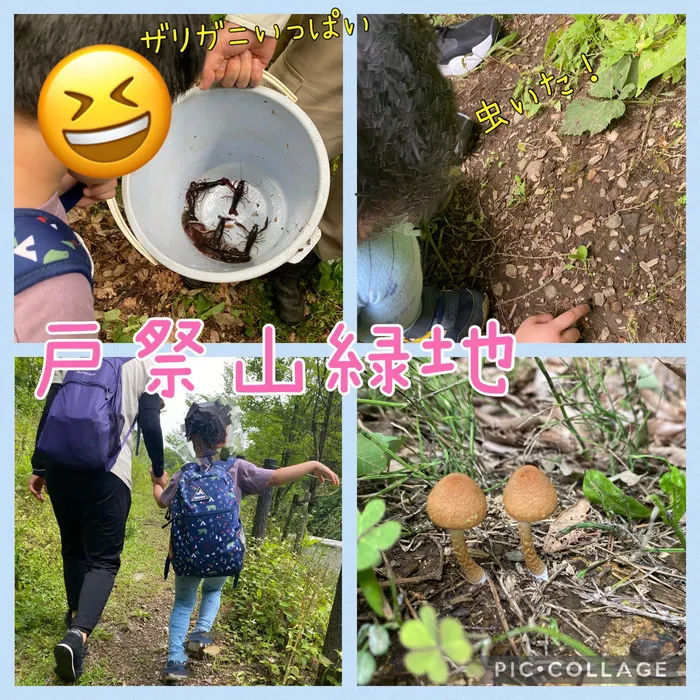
[{"x": 212, "y": 242}]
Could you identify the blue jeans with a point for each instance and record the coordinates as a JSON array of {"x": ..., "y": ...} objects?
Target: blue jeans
[{"x": 185, "y": 600}]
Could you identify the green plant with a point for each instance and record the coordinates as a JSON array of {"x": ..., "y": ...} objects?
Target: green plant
[
  {"x": 632, "y": 52},
  {"x": 331, "y": 276},
  {"x": 372, "y": 640},
  {"x": 672, "y": 483},
  {"x": 521, "y": 94},
  {"x": 374, "y": 451},
  {"x": 597, "y": 488},
  {"x": 118, "y": 330},
  {"x": 579, "y": 254},
  {"x": 565, "y": 45},
  {"x": 431, "y": 644},
  {"x": 517, "y": 193},
  {"x": 372, "y": 539}
]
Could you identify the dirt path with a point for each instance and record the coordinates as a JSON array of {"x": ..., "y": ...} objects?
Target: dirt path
[
  {"x": 531, "y": 196},
  {"x": 130, "y": 645}
]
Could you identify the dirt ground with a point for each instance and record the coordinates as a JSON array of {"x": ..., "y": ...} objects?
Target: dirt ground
[
  {"x": 609, "y": 587},
  {"x": 618, "y": 192},
  {"x": 130, "y": 645}
]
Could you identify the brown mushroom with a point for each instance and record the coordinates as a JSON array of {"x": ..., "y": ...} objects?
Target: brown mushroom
[
  {"x": 529, "y": 497},
  {"x": 457, "y": 504}
]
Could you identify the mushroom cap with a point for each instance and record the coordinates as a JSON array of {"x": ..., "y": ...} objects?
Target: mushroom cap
[
  {"x": 529, "y": 495},
  {"x": 456, "y": 503}
]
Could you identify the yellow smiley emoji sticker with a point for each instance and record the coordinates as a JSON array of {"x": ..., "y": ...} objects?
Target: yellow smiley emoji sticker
[{"x": 104, "y": 111}]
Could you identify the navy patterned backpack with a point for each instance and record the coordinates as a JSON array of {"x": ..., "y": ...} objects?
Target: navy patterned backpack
[{"x": 206, "y": 538}]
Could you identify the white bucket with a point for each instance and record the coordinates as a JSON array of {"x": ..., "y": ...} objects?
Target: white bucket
[{"x": 255, "y": 134}]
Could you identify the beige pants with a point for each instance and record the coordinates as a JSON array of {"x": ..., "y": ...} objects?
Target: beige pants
[{"x": 313, "y": 71}]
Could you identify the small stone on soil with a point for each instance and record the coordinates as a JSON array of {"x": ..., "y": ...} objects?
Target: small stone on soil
[{"x": 614, "y": 221}]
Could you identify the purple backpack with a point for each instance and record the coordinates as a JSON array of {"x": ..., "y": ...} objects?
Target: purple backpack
[{"x": 84, "y": 426}]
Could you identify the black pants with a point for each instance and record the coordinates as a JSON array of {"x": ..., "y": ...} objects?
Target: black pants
[{"x": 91, "y": 510}]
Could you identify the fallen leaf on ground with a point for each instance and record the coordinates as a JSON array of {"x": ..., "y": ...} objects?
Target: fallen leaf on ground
[{"x": 571, "y": 516}]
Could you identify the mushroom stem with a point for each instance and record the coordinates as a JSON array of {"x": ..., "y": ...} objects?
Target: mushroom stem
[
  {"x": 532, "y": 561},
  {"x": 473, "y": 572}
]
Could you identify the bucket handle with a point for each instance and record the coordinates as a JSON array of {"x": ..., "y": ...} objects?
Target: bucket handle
[
  {"x": 279, "y": 86},
  {"x": 128, "y": 233}
]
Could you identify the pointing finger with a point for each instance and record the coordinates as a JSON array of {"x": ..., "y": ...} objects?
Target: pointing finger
[
  {"x": 571, "y": 335},
  {"x": 570, "y": 317}
]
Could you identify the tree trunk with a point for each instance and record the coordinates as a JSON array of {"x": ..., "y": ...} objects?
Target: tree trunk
[
  {"x": 308, "y": 501},
  {"x": 262, "y": 509},
  {"x": 292, "y": 508},
  {"x": 333, "y": 642}
]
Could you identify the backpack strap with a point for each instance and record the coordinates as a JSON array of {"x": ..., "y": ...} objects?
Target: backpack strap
[
  {"x": 121, "y": 447},
  {"x": 72, "y": 196},
  {"x": 46, "y": 247}
]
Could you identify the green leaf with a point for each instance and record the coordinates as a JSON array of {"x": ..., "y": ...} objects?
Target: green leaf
[
  {"x": 372, "y": 591},
  {"x": 372, "y": 514},
  {"x": 654, "y": 63},
  {"x": 552, "y": 41},
  {"x": 453, "y": 641},
  {"x": 371, "y": 458},
  {"x": 429, "y": 663},
  {"x": 429, "y": 643},
  {"x": 372, "y": 538},
  {"x": 213, "y": 311},
  {"x": 366, "y": 666},
  {"x": 414, "y": 634},
  {"x": 672, "y": 483},
  {"x": 585, "y": 114},
  {"x": 646, "y": 379},
  {"x": 378, "y": 640},
  {"x": 612, "y": 80},
  {"x": 597, "y": 488},
  {"x": 112, "y": 315}
]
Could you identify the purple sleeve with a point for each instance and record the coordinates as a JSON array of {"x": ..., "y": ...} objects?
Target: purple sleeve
[
  {"x": 63, "y": 298},
  {"x": 169, "y": 493},
  {"x": 250, "y": 480}
]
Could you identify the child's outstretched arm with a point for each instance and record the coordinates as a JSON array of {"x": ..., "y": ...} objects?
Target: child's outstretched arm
[{"x": 296, "y": 471}]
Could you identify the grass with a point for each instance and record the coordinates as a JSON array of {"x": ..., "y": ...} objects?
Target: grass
[
  {"x": 39, "y": 594},
  {"x": 284, "y": 599},
  {"x": 599, "y": 409}
]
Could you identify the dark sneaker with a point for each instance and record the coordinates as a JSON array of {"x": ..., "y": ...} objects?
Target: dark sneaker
[
  {"x": 198, "y": 640},
  {"x": 69, "y": 653},
  {"x": 466, "y": 130},
  {"x": 175, "y": 672},
  {"x": 456, "y": 312},
  {"x": 462, "y": 47},
  {"x": 289, "y": 298}
]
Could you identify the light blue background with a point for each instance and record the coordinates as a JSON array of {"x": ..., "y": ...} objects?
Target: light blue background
[{"x": 349, "y": 9}]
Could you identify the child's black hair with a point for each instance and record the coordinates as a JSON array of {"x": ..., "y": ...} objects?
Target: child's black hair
[
  {"x": 407, "y": 120},
  {"x": 41, "y": 41}
]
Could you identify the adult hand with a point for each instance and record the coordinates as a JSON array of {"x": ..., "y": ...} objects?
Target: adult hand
[
  {"x": 241, "y": 65},
  {"x": 162, "y": 480},
  {"x": 36, "y": 485},
  {"x": 545, "y": 328},
  {"x": 96, "y": 190},
  {"x": 322, "y": 472}
]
